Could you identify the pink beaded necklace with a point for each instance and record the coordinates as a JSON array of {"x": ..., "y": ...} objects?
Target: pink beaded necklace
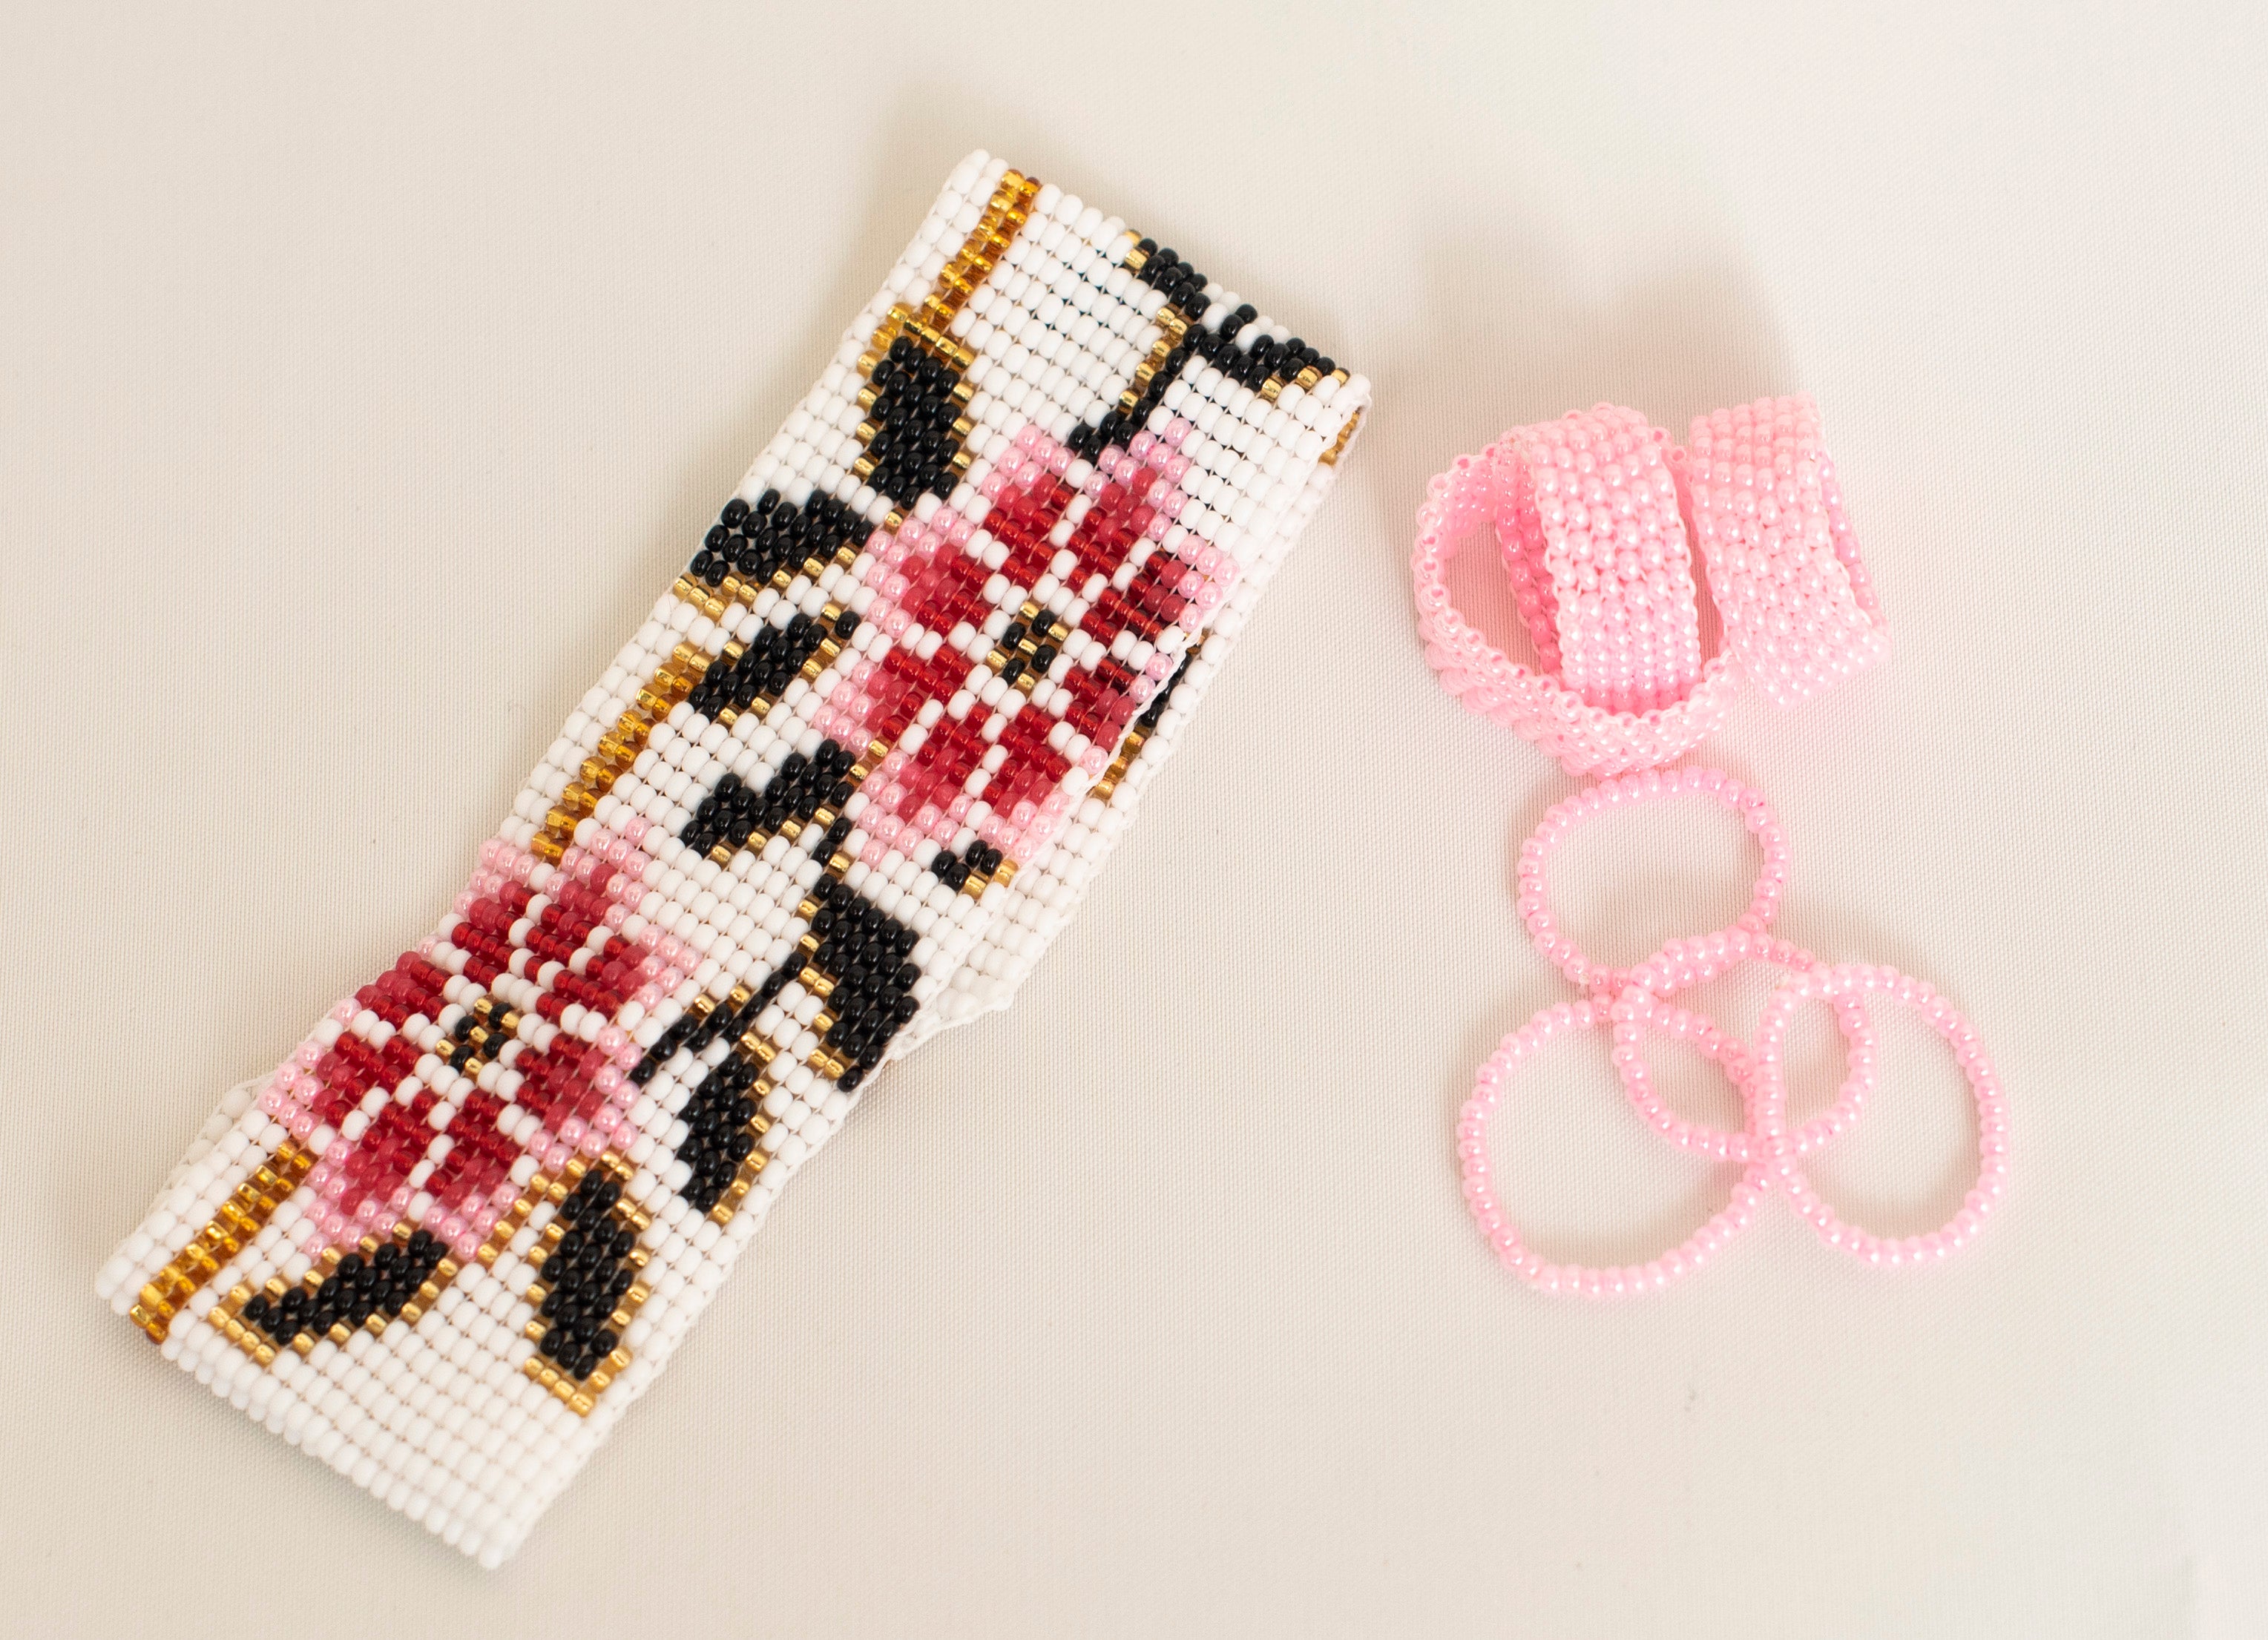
[{"x": 1596, "y": 516}]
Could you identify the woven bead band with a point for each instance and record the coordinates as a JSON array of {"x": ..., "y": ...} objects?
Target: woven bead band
[{"x": 838, "y": 792}]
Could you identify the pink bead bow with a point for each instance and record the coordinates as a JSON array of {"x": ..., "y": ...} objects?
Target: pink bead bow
[{"x": 1591, "y": 515}]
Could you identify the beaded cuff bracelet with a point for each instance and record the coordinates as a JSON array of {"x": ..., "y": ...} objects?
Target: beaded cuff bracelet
[{"x": 837, "y": 794}]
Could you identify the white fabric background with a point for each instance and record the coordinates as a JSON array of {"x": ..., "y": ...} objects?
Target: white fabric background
[{"x": 365, "y": 371}]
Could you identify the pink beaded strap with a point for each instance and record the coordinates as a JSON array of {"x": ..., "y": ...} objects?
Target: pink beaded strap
[
  {"x": 1783, "y": 564},
  {"x": 1628, "y": 1002},
  {"x": 1596, "y": 532},
  {"x": 1591, "y": 514}
]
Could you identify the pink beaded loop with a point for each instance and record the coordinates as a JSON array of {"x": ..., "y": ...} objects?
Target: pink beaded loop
[
  {"x": 1589, "y": 1281},
  {"x": 1768, "y": 1092},
  {"x": 1679, "y": 962},
  {"x": 1637, "y": 1008},
  {"x": 1588, "y": 515}
]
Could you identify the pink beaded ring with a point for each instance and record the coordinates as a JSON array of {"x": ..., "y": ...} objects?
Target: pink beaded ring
[
  {"x": 1679, "y": 962},
  {"x": 1637, "y": 1007},
  {"x": 1590, "y": 1281},
  {"x": 1768, "y": 1090}
]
